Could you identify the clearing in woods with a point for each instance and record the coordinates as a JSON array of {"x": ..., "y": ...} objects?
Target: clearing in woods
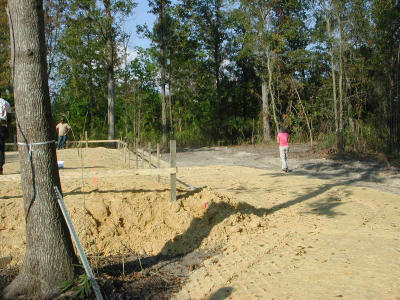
[{"x": 327, "y": 229}]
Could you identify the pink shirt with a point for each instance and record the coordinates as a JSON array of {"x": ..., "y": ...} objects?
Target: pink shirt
[{"x": 283, "y": 138}]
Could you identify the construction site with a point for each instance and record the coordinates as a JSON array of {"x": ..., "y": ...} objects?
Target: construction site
[{"x": 238, "y": 229}]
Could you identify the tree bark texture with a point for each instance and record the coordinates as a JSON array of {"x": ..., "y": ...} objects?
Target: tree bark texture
[
  {"x": 265, "y": 111},
  {"x": 162, "y": 73},
  {"x": 163, "y": 104},
  {"x": 341, "y": 91},
  {"x": 271, "y": 90},
  {"x": 171, "y": 123},
  {"x": 335, "y": 105},
  {"x": 49, "y": 256},
  {"x": 304, "y": 112},
  {"x": 110, "y": 71}
]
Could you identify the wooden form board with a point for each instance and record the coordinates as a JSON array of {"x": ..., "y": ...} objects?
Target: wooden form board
[
  {"x": 102, "y": 174},
  {"x": 163, "y": 164},
  {"x": 79, "y": 142}
]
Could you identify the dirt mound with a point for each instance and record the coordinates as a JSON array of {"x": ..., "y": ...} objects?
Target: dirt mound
[{"x": 142, "y": 223}]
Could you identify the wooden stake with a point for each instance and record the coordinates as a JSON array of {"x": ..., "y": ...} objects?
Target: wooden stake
[
  {"x": 158, "y": 161},
  {"x": 149, "y": 155},
  {"x": 173, "y": 165},
  {"x": 86, "y": 139},
  {"x": 143, "y": 158},
  {"x": 129, "y": 157},
  {"x": 136, "y": 155},
  {"x": 125, "y": 146}
]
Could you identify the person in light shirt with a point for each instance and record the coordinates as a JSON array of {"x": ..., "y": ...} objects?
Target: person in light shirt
[
  {"x": 5, "y": 109},
  {"x": 283, "y": 141},
  {"x": 62, "y": 131}
]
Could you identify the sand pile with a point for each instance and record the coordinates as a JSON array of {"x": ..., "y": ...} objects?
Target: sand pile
[{"x": 138, "y": 222}]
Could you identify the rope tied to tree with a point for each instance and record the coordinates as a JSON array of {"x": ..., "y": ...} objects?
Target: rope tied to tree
[{"x": 30, "y": 147}]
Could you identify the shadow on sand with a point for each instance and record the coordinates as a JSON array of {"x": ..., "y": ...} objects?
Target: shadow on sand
[
  {"x": 200, "y": 228},
  {"x": 189, "y": 242}
]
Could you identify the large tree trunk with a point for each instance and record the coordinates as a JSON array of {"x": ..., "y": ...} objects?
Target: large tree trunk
[
  {"x": 265, "y": 111},
  {"x": 49, "y": 256},
  {"x": 110, "y": 71}
]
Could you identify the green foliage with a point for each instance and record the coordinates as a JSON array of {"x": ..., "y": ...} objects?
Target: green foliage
[
  {"x": 326, "y": 141},
  {"x": 81, "y": 287},
  {"x": 5, "y": 74},
  {"x": 216, "y": 57}
]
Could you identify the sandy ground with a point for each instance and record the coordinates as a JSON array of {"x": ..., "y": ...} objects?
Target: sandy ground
[{"x": 327, "y": 229}]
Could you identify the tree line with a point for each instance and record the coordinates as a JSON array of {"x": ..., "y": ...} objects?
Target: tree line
[
  {"x": 217, "y": 72},
  {"x": 225, "y": 71}
]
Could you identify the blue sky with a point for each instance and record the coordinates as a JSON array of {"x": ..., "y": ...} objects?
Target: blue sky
[{"x": 140, "y": 16}]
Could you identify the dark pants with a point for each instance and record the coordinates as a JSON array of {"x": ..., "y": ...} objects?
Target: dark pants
[
  {"x": 61, "y": 142},
  {"x": 3, "y": 137}
]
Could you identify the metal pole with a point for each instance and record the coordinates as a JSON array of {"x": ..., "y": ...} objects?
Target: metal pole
[{"x": 81, "y": 253}]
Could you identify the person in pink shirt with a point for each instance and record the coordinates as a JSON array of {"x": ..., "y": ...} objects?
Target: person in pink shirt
[{"x": 283, "y": 141}]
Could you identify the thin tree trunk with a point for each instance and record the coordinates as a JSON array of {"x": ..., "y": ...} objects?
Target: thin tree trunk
[
  {"x": 135, "y": 108},
  {"x": 163, "y": 81},
  {"x": 163, "y": 106},
  {"x": 335, "y": 105},
  {"x": 271, "y": 90},
  {"x": 170, "y": 108},
  {"x": 341, "y": 138},
  {"x": 305, "y": 114},
  {"x": 110, "y": 71},
  {"x": 265, "y": 111},
  {"x": 139, "y": 119},
  {"x": 49, "y": 255}
]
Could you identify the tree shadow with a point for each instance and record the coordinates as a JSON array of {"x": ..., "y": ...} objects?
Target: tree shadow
[
  {"x": 222, "y": 293},
  {"x": 11, "y": 197},
  {"x": 187, "y": 244},
  {"x": 196, "y": 149},
  {"x": 346, "y": 171},
  {"x": 200, "y": 227},
  {"x": 326, "y": 207}
]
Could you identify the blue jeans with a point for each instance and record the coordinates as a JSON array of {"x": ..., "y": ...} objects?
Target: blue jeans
[
  {"x": 61, "y": 142},
  {"x": 3, "y": 137}
]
